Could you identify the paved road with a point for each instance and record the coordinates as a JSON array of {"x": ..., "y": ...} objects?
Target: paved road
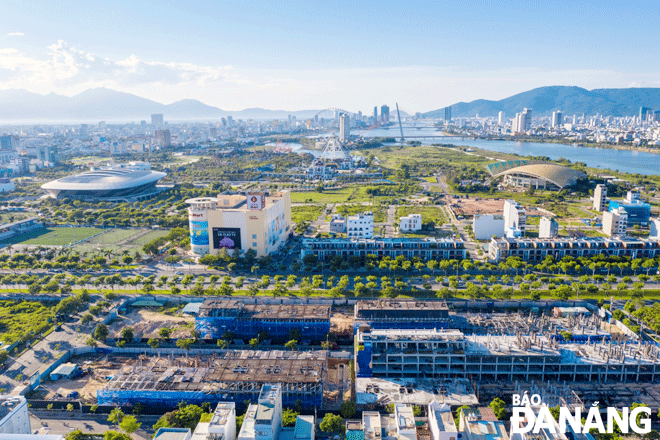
[{"x": 44, "y": 352}]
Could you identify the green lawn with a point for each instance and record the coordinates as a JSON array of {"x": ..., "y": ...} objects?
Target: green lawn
[
  {"x": 144, "y": 239},
  {"x": 327, "y": 196},
  {"x": 54, "y": 236}
]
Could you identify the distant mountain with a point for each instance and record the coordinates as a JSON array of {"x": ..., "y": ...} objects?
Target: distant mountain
[
  {"x": 106, "y": 104},
  {"x": 571, "y": 100}
]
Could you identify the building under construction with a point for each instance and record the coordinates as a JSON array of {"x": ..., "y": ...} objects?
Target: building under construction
[
  {"x": 441, "y": 353},
  {"x": 225, "y": 376},
  {"x": 219, "y": 317},
  {"x": 392, "y": 313}
]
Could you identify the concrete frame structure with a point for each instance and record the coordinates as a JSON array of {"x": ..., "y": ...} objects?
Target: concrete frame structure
[
  {"x": 217, "y": 317},
  {"x": 433, "y": 353},
  {"x": 615, "y": 223},
  {"x": 537, "y": 249},
  {"x": 230, "y": 375},
  {"x": 425, "y": 249}
]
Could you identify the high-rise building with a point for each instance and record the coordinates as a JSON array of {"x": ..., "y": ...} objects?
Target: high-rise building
[
  {"x": 514, "y": 216},
  {"x": 344, "y": 127},
  {"x": 9, "y": 143},
  {"x": 615, "y": 222},
  {"x": 600, "y": 198},
  {"x": 157, "y": 120},
  {"x": 375, "y": 113},
  {"x": 500, "y": 119},
  {"x": 447, "y": 114},
  {"x": 163, "y": 138},
  {"x": 548, "y": 228},
  {"x": 527, "y": 112},
  {"x": 385, "y": 114},
  {"x": 557, "y": 119},
  {"x": 643, "y": 113}
]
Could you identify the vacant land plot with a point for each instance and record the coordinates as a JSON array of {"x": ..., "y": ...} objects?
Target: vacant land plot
[
  {"x": 54, "y": 236},
  {"x": 307, "y": 213},
  {"x": 470, "y": 207},
  {"x": 18, "y": 318},
  {"x": 379, "y": 211},
  {"x": 429, "y": 213},
  {"x": 326, "y": 196},
  {"x": 145, "y": 324}
]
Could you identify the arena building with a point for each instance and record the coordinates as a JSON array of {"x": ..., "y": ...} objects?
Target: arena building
[
  {"x": 132, "y": 181},
  {"x": 256, "y": 221},
  {"x": 535, "y": 175}
]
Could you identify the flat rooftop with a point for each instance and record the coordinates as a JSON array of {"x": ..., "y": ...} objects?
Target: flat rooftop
[
  {"x": 212, "y": 374},
  {"x": 240, "y": 310}
]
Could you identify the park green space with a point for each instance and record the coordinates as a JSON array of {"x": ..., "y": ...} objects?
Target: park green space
[{"x": 52, "y": 236}]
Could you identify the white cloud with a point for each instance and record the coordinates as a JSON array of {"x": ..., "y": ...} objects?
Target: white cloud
[
  {"x": 15, "y": 34},
  {"x": 69, "y": 70}
]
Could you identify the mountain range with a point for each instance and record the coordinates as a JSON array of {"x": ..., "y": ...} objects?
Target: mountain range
[
  {"x": 106, "y": 104},
  {"x": 571, "y": 100}
]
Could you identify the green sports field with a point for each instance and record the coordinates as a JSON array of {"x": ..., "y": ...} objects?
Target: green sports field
[{"x": 54, "y": 236}]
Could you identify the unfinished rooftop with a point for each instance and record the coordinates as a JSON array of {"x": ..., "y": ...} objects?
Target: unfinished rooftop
[
  {"x": 398, "y": 309},
  {"x": 213, "y": 308}
]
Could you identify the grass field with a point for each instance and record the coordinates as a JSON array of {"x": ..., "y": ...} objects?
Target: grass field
[
  {"x": 327, "y": 196},
  {"x": 379, "y": 211},
  {"x": 429, "y": 213},
  {"x": 19, "y": 318},
  {"x": 308, "y": 213},
  {"x": 120, "y": 239},
  {"x": 54, "y": 236}
]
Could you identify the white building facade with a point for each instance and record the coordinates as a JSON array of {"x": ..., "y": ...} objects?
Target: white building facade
[
  {"x": 360, "y": 225},
  {"x": 410, "y": 223}
]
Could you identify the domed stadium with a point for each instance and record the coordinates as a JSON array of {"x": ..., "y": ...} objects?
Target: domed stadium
[
  {"x": 541, "y": 175},
  {"x": 123, "y": 182}
]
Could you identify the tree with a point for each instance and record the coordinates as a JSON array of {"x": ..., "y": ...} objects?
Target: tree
[
  {"x": 116, "y": 416},
  {"x": 292, "y": 344},
  {"x": 499, "y": 408},
  {"x": 76, "y": 434},
  {"x": 254, "y": 343},
  {"x": 114, "y": 435},
  {"x": 101, "y": 332},
  {"x": 347, "y": 409},
  {"x": 91, "y": 342},
  {"x": 222, "y": 343},
  {"x": 331, "y": 423},
  {"x": 289, "y": 417},
  {"x": 184, "y": 343},
  {"x": 153, "y": 342},
  {"x": 129, "y": 424},
  {"x": 165, "y": 332},
  {"x": 127, "y": 334}
]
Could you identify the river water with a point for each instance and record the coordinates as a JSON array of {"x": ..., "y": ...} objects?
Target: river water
[{"x": 634, "y": 162}]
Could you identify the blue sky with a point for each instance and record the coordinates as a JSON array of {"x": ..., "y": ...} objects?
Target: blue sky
[{"x": 353, "y": 55}]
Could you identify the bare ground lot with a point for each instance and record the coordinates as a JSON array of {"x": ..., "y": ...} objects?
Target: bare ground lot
[{"x": 146, "y": 323}]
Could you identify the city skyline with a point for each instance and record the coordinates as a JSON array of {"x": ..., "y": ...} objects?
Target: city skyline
[{"x": 297, "y": 56}]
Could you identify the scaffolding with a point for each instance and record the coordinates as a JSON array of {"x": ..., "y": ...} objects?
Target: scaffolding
[{"x": 232, "y": 375}]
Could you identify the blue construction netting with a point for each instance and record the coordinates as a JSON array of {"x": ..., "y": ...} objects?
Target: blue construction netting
[
  {"x": 582, "y": 339},
  {"x": 364, "y": 360},
  {"x": 408, "y": 324},
  {"x": 171, "y": 399},
  {"x": 216, "y": 327}
]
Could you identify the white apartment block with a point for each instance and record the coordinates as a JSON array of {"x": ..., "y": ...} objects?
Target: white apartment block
[
  {"x": 485, "y": 226},
  {"x": 548, "y": 228},
  {"x": 654, "y": 226},
  {"x": 360, "y": 225},
  {"x": 222, "y": 425},
  {"x": 263, "y": 421},
  {"x": 600, "y": 198},
  {"x": 410, "y": 223},
  {"x": 441, "y": 422},
  {"x": 615, "y": 223},
  {"x": 14, "y": 416},
  {"x": 514, "y": 216}
]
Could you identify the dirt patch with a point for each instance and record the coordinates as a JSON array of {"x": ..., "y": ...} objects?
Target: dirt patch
[
  {"x": 470, "y": 207},
  {"x": 341, "y": 320},
  {"x": 146, "y": 324}
]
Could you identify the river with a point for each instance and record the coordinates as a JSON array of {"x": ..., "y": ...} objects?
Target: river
[{"x": 634, "y": 162}]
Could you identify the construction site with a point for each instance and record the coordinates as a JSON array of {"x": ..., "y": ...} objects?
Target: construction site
[
  {"x": 228, "y": 375},
  {"x": 218, "y": 317}
]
